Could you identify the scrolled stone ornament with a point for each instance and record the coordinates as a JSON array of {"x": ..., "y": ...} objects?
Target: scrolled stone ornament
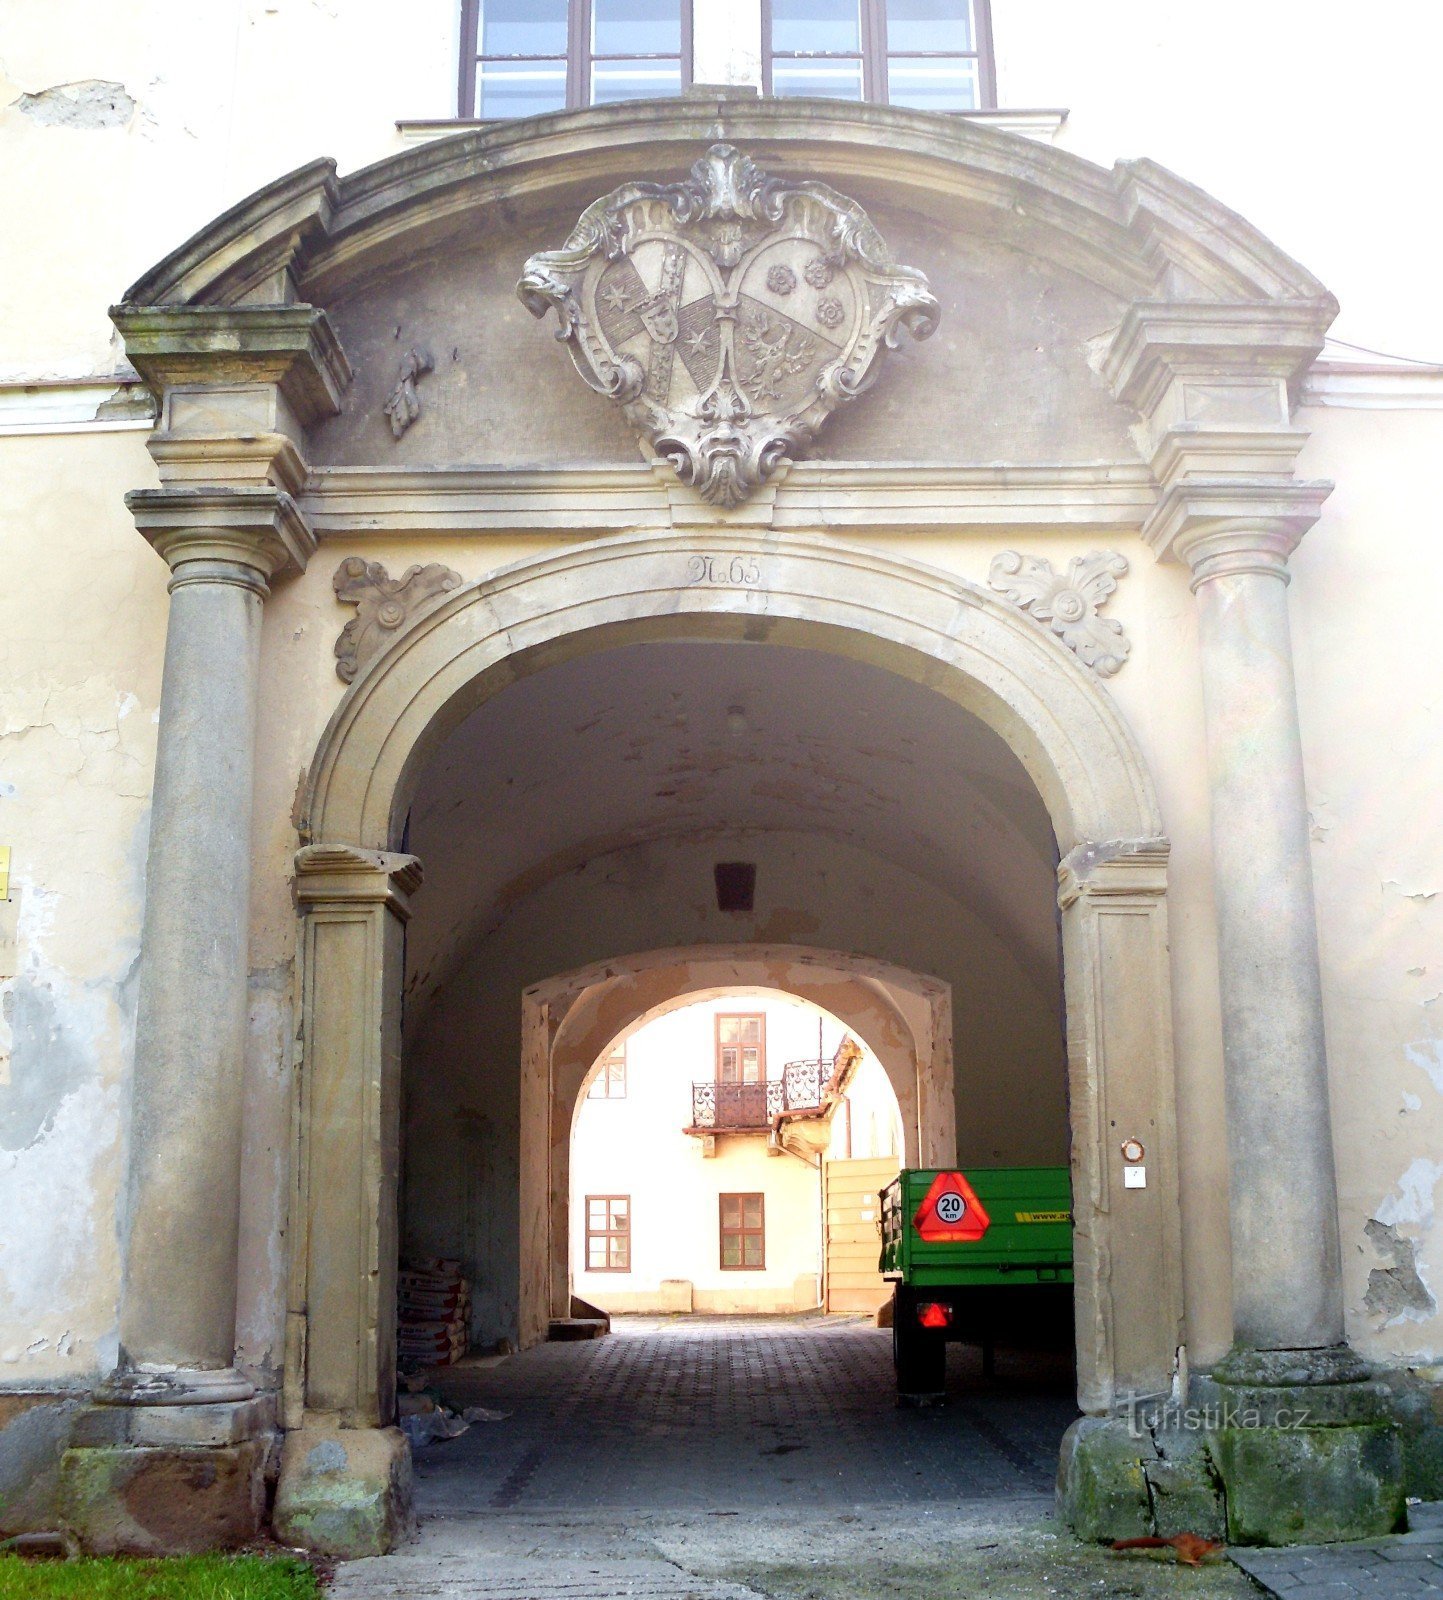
[
  {"x": 672, "y": 300},
  {"x": 1068, "y": 604},
  {"x": 384, "y": 605}
]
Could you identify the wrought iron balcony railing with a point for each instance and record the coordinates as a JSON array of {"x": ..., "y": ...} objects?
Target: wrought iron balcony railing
[{"x": 739, "y": 1106}]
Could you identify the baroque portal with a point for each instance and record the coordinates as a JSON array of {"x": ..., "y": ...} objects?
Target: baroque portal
[{"x": 728, "y": 315}]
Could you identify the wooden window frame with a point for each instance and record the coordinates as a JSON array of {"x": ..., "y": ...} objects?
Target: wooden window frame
[
  {"x": 579, "y": 59},
  {"x": 874, "y": 54},
  {"x": 738, "y": 1016},
  {"x": 608, "y": 1233},
  {"x": 604, "y": 1077},
  {"x": 741, "y": 1233}
]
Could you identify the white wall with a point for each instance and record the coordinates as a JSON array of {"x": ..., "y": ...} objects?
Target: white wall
[{"x": 636, "y": 1147}]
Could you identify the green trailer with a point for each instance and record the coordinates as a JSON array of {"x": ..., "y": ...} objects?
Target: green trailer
[{"x": 973, "y": 1254}]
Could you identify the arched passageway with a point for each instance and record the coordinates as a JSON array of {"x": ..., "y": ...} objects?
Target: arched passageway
[{"x": 901, "y": 758}]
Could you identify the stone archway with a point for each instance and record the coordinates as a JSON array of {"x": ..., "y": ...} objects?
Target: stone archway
[
  {"x": 933, "y": 628},
  {"x": 904, "y": 1017}
]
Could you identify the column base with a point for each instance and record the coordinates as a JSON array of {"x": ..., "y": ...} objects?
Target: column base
[
  {"x": 171, "y": 1479},
  {"x": 345, "y": 1492},
  {"x": 1279, "y": 1464},
  {"x": 143, "y": 1385},
  {"x": 1336, "y": 1363}
]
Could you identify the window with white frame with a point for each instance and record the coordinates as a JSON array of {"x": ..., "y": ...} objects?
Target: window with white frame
[
  {"x": 523, "y": 57},
  {"x": 932, "y": 55},
  {"x": 610, "y": 1080}
]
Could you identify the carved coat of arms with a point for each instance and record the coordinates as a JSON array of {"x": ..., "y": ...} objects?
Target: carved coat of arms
[{"x": 729, "y": 315}]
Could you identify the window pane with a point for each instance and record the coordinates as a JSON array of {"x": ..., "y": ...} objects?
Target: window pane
[
  {"x": 633, "y": 80},
  {"x": 519, "y": 89},
  {"x": 523, "y": 28},
  {"x": 929, "y": 25},
  {"x": 752, "y": 1252},
  {"x": 935, "y": 85},
  {"x": 814, "y": 25},
  {"x": 596, "y": 1254},
  {"x": 621, "y": 1254},
  {"x": 834, "y": 80},
  {"x": 731, "y": 1255},
  {"x": 731, "y": 1209},
  {"x": 752, "y": 1211},
  {"x": 635, "y": 28},
  {"x": 619, "y": 1211}
]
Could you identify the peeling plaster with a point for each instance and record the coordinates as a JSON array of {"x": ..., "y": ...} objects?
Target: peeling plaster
[
  {"x": 1396, "y": 1292},
  {"x": 1428, "y": 1054},
  {"x": 89, "y": 104}
]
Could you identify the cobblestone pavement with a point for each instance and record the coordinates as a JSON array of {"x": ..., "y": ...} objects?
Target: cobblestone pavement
[
  {"x": 716, "y": 1414},
  {"x": 1385, "y": 1569},
  {"x": 718, "y": 1459},
  {"x": 724, "y": 1460}
]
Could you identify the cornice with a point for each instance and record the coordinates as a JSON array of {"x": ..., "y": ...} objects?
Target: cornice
[
  {"x": 293, "y": 347},
  {"x": 1160, "y": 340},
  {"x": 357, "y": 502},
  {"x": 1136, "y": 229}
]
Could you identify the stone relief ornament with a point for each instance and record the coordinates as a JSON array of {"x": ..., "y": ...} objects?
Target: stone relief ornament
[
  {"x": 683, "y": 302},
  {"x": 384, "y": 605},
  {"x": 1069, "y": 605},
  {"x": 403, "y": 405}
]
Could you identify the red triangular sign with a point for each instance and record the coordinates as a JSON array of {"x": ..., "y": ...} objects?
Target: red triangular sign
[{"x": 950, "y": 1211}]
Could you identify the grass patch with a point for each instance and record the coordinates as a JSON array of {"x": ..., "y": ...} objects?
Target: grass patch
[{"x": 175, "y": 1578}]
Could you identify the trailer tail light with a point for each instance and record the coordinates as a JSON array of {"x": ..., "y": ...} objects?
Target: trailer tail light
[{"x": 934, "y": 1314}]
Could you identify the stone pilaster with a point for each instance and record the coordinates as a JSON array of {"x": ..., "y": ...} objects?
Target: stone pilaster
[
  {"x": 355, "y": 904},
  {"x": 345, "y": 1483},
  {"x": 1126, "y": 1240}
]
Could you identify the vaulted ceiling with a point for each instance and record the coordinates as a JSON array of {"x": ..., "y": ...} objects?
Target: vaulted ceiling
[{"x": 707, "y": 740}]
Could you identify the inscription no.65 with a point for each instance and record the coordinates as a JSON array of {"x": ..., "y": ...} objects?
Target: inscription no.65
[{"x": 723, "y": 571}]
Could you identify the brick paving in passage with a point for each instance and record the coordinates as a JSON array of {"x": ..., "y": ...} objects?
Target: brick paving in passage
[{"x": 705, "y": 1414}]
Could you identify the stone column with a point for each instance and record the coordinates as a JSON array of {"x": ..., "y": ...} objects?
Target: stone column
[
  {"x": 177, "y": 1323},
  {"x": 1287, "y": 1279}
]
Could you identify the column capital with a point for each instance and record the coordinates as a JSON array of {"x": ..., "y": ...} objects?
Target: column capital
[
  {"x": 332, "y": 875},
  {"x": 237, "y": 385},
  {"x": 1117, "y": 868},
  {"x": 242, "y": 536},
  {"x": 1224, "y": 526}
]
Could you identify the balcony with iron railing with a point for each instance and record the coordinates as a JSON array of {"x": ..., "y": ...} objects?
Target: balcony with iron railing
[{"x": 751, "y": 1107}]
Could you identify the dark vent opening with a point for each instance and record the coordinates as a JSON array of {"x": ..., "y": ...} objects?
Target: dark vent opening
[{"x": 736, "y": 885}]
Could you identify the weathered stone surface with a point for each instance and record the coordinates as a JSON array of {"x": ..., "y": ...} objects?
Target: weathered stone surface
[
  {"x": 185, "y": 1426},
  {"x": 126, "y": 1501},
  {"x": 1310, "y": 1485},
  {"x": 1185, "y": 1491},
  {"x": 34, "y": 1432},
  {"x": 1102, "y": 1480},
  {"x": 1417, "y": 1408},
  {"x": 345, "y": 1491},
  {"x": 728, "y": 315}
]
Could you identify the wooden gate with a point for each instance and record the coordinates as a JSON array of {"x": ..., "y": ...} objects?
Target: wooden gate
[{"x": 853, "y": 1238}]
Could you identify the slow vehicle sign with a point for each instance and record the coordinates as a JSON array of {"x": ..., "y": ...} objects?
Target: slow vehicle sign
[{"x": 950, "y": 1210}]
